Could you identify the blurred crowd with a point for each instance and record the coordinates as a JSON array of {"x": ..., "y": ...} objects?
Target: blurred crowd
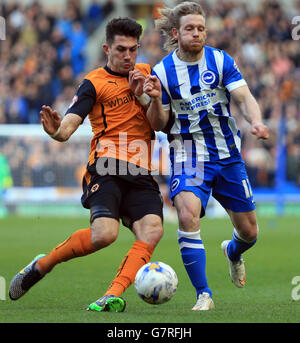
[
  {"x": 36, "y": 162},
  {"x": 43, "y": 54},
  {"x": 43, "y": 59}
]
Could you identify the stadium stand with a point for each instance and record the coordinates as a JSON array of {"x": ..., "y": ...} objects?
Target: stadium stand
[{"x": 44, "y": 56}]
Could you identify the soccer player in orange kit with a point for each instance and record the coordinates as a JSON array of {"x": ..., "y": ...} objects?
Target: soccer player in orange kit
[{"x": 117, "y": 183}]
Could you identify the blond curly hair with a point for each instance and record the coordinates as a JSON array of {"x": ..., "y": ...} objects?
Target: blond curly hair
[{"x": 170, "y": 18}]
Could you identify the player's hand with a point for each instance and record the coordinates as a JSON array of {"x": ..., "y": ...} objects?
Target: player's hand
[
  {"x": 260, "y": 130},
  {"x": 136, "y": 82},
  {"x": 152, "y": 86},
  {"x": 50, "y": 119}
]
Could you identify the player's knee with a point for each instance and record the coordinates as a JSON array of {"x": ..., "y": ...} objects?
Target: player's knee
[
  {"x": 102, "y": 239},
  {"x": 149, "y": 231},
  {"x": 253, "y": 232},
  {"x": 250, "y": 230},
  {"x": 188, "y": 219},
  {"x": 103, "y": 235},
  {"x": 156, "y": 232}
]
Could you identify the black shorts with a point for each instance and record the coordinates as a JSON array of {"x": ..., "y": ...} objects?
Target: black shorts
[{"x": 129, "y": 197}]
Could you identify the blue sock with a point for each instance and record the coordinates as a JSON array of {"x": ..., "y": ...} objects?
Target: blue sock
[
  {"x": 237, "y": 246},
  {"x": 194, "y": 259}
]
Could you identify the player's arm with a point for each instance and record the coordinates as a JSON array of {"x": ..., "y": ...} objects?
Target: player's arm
[
  {"x": 156, "y": 114},
  {"x": 250, "y": 110},
  {"x": 82, "y": 104},
  {"x": 60, "y": 130},
  {"x": 236, "y": 85}
]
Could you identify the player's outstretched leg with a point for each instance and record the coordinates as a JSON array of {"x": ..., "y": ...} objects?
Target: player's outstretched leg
[
  {"x": 108, "y": 303},
  {"x": 25, "y": 279},
  {"x": 78, "y": 244}
]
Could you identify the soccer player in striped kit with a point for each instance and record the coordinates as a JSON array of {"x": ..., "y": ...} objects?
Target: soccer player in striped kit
[{"x": 190, "y": 91}]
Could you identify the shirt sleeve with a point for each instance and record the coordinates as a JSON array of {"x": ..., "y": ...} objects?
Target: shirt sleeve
[
  {"x": 84, "y": 99},
  {"x": 232, "y": 77}
]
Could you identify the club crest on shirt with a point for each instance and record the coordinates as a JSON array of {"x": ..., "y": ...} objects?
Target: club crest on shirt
[
  {"x": 175, "y": 184},
  {"x": 208, "y": 77},
  {"x": 95, "y": 188}
]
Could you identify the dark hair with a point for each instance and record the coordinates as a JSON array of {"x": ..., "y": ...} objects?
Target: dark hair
[{"x": 123, "y": 27}]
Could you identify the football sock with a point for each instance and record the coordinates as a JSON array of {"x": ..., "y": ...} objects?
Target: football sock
[
  {"x": 194, "y": 259},
  {"x": 78, "y": 244},
  {"x": 237, "y": 246},
  {"x": 138, "y": 255}
]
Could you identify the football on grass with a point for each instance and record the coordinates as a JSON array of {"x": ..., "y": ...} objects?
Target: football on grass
[{"x": 156, "y": 283}]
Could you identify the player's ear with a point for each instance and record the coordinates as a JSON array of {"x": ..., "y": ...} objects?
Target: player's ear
[
  {"x": 105, "y": 48},
  {"x": 174, "y": 32}
]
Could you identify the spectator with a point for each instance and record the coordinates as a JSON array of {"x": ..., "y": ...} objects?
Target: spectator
[{"x": 94, "y": 16}]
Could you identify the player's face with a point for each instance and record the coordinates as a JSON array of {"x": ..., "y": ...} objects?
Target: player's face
[
  {"x": 191, "y": 35},
  {"x": 122, "y": 54}
]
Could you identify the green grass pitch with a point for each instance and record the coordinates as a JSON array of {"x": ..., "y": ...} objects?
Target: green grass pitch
[{"x": 64, "y": 294}]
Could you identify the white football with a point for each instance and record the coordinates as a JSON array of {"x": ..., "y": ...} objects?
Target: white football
[{"x": 156, "y": 282}]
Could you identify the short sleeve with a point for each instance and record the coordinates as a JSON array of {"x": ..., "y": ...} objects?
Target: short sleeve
[
  {"x": 232, "y": 77},
  {"x": 84, "y": 100}
]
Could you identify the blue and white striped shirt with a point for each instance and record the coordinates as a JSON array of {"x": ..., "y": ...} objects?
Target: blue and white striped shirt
[{"x": 198, "y": 96}]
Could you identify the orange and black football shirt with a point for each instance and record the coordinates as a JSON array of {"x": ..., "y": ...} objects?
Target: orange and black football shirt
[{"x": 119, "y": 123}]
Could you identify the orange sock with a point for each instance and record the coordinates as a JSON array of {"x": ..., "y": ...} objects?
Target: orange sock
[
  {"x": 139, "y": 254},
  {"x": 78, "y": 244}
]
